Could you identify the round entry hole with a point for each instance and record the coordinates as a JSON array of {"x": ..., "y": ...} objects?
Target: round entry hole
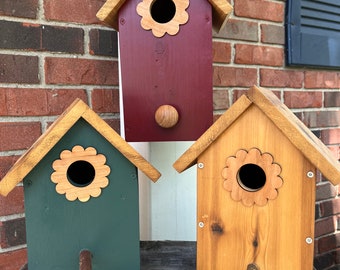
[
  {"x": 81, "y": 173},
  {"x": 162, "y": 11},
  {"x": 251, "y": 177}
]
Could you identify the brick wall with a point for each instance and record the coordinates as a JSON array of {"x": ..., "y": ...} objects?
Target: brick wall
[{"x": 53, "y": 51}]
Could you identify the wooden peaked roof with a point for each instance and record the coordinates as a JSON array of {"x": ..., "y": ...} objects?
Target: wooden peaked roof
[
  {"x": 78, "y": 109},
  {"x": 297, "y": 133},
  {"x": 221, "y": 10}
]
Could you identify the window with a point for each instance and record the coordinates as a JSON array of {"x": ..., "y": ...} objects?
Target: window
[{"x": 313, "y": 33}]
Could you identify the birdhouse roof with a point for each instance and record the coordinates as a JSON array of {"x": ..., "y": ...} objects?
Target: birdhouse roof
[
  {"x": 78, "y": 109},
  {"x": 296, "y": 132},
  {"x": 221, "y": 9}
]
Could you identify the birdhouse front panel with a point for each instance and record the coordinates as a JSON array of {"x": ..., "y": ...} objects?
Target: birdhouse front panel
[
  {"x": 166, "y": 69},
  {"x": 255, "y": 199},
  {"x": 82, "y": 195}
]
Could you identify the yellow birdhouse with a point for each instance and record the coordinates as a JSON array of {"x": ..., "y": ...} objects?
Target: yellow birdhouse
[{"x": 256, "y": 171}]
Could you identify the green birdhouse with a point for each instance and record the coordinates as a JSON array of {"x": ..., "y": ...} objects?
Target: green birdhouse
[{"x": 81, "y": 193}]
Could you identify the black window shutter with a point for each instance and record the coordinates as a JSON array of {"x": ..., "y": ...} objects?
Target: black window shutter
[{"x": 313, "y": 33}]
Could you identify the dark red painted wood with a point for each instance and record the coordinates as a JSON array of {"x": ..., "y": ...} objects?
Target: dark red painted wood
[{"x": 174, "y": 70}]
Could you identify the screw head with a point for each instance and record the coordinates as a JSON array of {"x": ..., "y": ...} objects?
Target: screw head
[
  {"x": 310, "y": 174},
  {"x": 309, "y": 240},
  {"x": 201, "y": 224},
  {"x": 200, "y": 165}
]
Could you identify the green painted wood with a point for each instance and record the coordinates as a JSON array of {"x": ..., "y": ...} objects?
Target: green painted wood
[{"x": 108, "y": 226}]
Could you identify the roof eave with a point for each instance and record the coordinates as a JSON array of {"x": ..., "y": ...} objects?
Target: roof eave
[{"x": 78, "y": 109}]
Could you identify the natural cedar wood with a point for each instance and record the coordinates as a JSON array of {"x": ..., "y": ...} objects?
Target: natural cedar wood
[
  {"x": 78, "y": 109},
  {"x": 160, "y": 29},
  {"x": 82, "y": 193},
  {"x": 109, "y": 12},
  {"x": 265, "y": 235},
  {"x": 221, "y": 10},
  {"x": 190, "y": 156},
  {"x": 166, "y": 116},
  {"x": 303, "y": 139}
]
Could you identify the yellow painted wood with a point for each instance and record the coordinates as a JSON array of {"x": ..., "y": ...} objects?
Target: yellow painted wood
[
  {"x": 297, "y": 132},
  {"x": 57, "y": 130},
  {"x": 221, "y": 10},
  {"x": 109, "y": 13},
  {"x": 232, "y": 235},
  {"x": 189, "y": 158}
]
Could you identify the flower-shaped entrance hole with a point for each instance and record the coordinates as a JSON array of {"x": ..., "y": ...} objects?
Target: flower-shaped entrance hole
[
  {"x": 162, "y": 11},
  {"x": 163, "y": 16},
  {"x": 251, "y": 177},
  {"x": 81, "y": 173}
]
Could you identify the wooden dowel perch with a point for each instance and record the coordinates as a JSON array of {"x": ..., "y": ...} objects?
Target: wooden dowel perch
[{"x": 85, "y": 260}]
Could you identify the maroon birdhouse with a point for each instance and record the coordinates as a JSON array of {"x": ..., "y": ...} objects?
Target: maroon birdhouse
[{"x": 166, "y": 64}]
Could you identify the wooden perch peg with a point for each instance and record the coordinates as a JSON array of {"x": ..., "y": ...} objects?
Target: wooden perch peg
[
  {"x": 166, "y": 116},
  {"x": 85, "y": 260}
]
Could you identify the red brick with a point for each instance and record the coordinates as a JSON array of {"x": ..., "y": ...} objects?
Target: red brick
[
  {"x": 325, "y": 191},
  {"x": 103, "y": 42},
  {"x": 221, "y": 52},
  {"x": 320, "y": 119},
  {"x": 114, "y": 124},
  {"x": 13, "y": 260},
  {"x": 259, "y": 9},
  {"x": 221, "y": 99},
  {"x": 281, "y": 78},
  {"x": 105, "y": 100},
  {"x": 328, "y": 243},
  {"x": 239, "y": 30},
  {"x": 36, "y": 102},
  {"x": 325, "y": 226},
  {"x": 230, "y": 76},
  {"x": 12, "y": 233},
  {"x": 332, "y": 99},
  {"x": 303, "y": 99},
  {"x": 18, "y": 135},
  {"x": 237, "y": 94},
  {"x": 6, "y": 162},
  {"x": 273, "y": 34},
  {"x": 27, "y": 36},
  {"x": 22, "y": 8},
  {"x": 80, "y": 71},
  {"x": 322, "y": 79},
  {"x": 19, "y": 69},
  {"x": 335, "y": 150},
  {"x": 13, "y": 203},
  {"x": 80, "y": 11},
  {"x": 331, "y": 136},
  {"x": 330, "y": 207},
  {"x": 259, "y": 55}
]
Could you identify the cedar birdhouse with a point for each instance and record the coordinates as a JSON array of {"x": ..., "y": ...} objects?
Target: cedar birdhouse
[
  {"x": 256, "y": 168},
  {"x": 81, "y": 193},
  {"x": 166, "y": 65}
]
